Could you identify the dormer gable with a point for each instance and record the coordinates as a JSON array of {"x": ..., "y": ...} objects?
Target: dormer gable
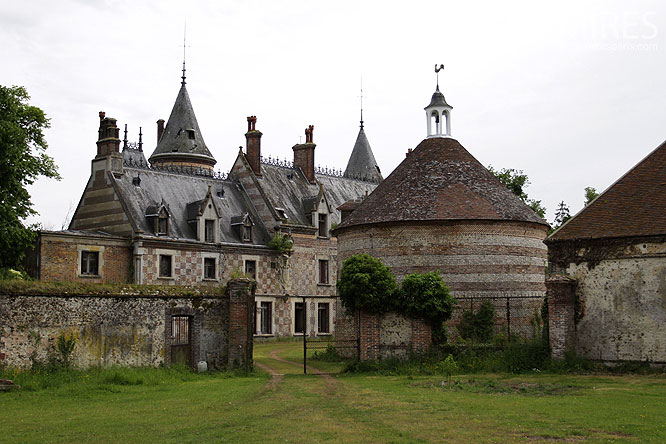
[
  {"x": 159, "y": 218},
  {"x": 318, "y": 211},
  {"x": 204, "y": 218},
  {"x": 243, "y": 227}
]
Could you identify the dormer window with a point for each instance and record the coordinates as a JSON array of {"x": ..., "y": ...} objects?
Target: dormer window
[
  {"x": 162, "y": 225},
  {"x": 242, "y": 225},
  {"x": 323, "y": 225},
  {"x": 282, "y": 214},
  {"x": 190, "y": 134},
  {"x": 247, "y": 233},
  {"x": 209, "y": 231}
]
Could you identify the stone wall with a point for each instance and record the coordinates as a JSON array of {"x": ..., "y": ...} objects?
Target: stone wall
[
  {"x": 623, "y": 305},
  {"x": 381, "y": 336},
  {"x": 561, "y": 315},
  {"x": 123, "y": 330}
]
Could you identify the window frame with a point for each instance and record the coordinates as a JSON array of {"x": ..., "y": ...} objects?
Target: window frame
[
  {"x": 209, "y": 231},
  {"x": 84, "y": 257},
  {"x": 206, "y": 261},
  {"x": 160, "y": 267},
  {"x": 322, "y": 229},
  {"x": 298, "y": 319},
  {"x": 323, "y": 278},
  {"x": 253, "y": 261},
  {"x": 327, "y": 318}
]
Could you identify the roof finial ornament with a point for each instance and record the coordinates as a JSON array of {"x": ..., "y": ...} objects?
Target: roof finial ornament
[
  {"x": 125, "y": 139},
  {"x": 140, "y": 139},
  {"x": 182, "y": 83},
  {"x": 437, "y": 70},
  {"x": 361, "y": 102}
]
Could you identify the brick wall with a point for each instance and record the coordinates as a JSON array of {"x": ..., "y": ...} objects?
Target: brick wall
[
  {"x": 60, "y": 258},
  {"x": 477, "y": 260},
  {"x": 381, "y": 336},
  {"x": 561, "y": 326},
  {"x": 241, "y": 313}
]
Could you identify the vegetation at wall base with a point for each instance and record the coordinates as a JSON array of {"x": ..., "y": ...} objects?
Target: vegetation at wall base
[{"x": 43, "y": 288}]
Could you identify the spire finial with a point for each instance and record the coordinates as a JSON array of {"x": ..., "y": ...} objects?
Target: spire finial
[
  {"x": 361, "y": 102},
  {"x": 125, "y": 139},
  {"x": 437, "y": 70},
  {"x": 140, "y": 139},
  {"x": 182, "y": 83}
]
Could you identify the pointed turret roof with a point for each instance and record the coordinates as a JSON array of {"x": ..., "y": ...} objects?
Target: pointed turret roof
[
  {"x": 362, "y": 163},
  {"x": 440, "y": 181},
  {"x": 182, "y": 139}
]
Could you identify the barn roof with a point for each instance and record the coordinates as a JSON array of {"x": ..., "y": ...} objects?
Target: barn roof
[
  {"x": 440, "y": 180},
  {"x": 635, "y": 205}
]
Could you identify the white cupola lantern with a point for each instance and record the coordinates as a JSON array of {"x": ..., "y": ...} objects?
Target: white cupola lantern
[{"x": 438, "y": 113}]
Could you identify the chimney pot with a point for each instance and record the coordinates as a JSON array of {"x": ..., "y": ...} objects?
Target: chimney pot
[
  {"x": 160, "y": 129},
  {"x": 102, "y": 114}
]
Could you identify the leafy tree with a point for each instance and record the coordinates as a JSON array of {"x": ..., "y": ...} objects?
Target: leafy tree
[
  {"x": 516, "y": 181},
  {"x": 426, "y": 296},
  {"x": 22, "y": 160},
  {"x": 561, "y": 215},
  {"x": 366, "y": 284},
  {"x": 590, "y": 195}
]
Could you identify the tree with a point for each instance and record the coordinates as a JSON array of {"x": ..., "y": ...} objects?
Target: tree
[
  {"x": 426, "y": 296},
  {"x": 22, "y": 160},
  {"x": 366, "y": 284},
  {"x": 561, "y": 215},
  {"x": 590, "y": 195},
  {"x": 516, "y": 181}
]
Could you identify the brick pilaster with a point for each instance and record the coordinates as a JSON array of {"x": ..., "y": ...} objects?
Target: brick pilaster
[
  {"x": 370, "y": 326},
  {"x": 241, "y": 316},
  {"x": 561, "y": 293}
]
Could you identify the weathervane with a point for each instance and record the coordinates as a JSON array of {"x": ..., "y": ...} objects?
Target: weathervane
[
  {"x": 437, "y": 70},
  {"x": 361, "y": 96}
]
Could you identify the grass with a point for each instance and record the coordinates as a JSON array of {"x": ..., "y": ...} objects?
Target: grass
[{"x": 174, "y": 405}]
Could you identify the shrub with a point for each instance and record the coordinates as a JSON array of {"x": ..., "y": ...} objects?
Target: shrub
[
  {"x": 65, "y": 346},
  {"x": 521, "y": 356},
  {"x": 281, "y": 243},
  {"x": 478, "y": 325},
  {"x": 426, "y": 296},
  {"x": 366, "y": 284}
]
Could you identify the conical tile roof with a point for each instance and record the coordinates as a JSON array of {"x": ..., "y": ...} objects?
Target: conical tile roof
[
  {"x": 439, "y": 181},
  {"x": 182, "y": 139},
  {"x": 362, "y": 163}
]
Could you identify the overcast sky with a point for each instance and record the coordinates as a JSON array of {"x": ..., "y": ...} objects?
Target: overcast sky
[{"x": 570, "y": 92}]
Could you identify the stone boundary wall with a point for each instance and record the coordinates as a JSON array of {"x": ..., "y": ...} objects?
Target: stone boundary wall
[
  {"x": 382, "y": 336},
  {"x": 127, "y": 330}
]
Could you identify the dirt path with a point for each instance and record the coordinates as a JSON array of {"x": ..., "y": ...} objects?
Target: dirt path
[{"x": 276, "y": 378}]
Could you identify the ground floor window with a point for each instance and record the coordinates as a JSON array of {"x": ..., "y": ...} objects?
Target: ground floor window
[
  {"x": 299, "y": 315},
  {"x": 265, "y": 316},
  {"x": 209, "y": 268},
  {"x": 90, "y": 263},
  {"x": 323, "y": 317}
]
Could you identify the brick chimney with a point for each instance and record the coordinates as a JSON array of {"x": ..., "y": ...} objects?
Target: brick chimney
[
  {"x": 108, "y": 141},
  {"x": 304, "y": 155},
  {"x": 160, "y": 129},
  {"x": 253, "y": 147}
]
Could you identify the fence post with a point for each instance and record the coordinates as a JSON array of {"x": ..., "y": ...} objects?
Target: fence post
[
  {"x": 305, "y": 332},
  {"x": 508, "y": 320}
]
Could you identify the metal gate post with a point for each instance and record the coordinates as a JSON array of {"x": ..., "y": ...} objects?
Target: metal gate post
[{"x": 305, "y": 332}]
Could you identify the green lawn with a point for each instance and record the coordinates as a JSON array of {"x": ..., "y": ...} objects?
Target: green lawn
[{"x": 146, "y": 406}]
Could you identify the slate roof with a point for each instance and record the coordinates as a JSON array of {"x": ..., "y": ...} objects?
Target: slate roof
[
  {"x": 635, "y": 205},
  {"x": 440, "y": 180},
  {"x": 182, "y": 193},
  {"x": 362, "y": 163},
  {"x": 133, "y": 156},
  {"x": 287, "y": 188},
  {"x": 175, "y": 140}
]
